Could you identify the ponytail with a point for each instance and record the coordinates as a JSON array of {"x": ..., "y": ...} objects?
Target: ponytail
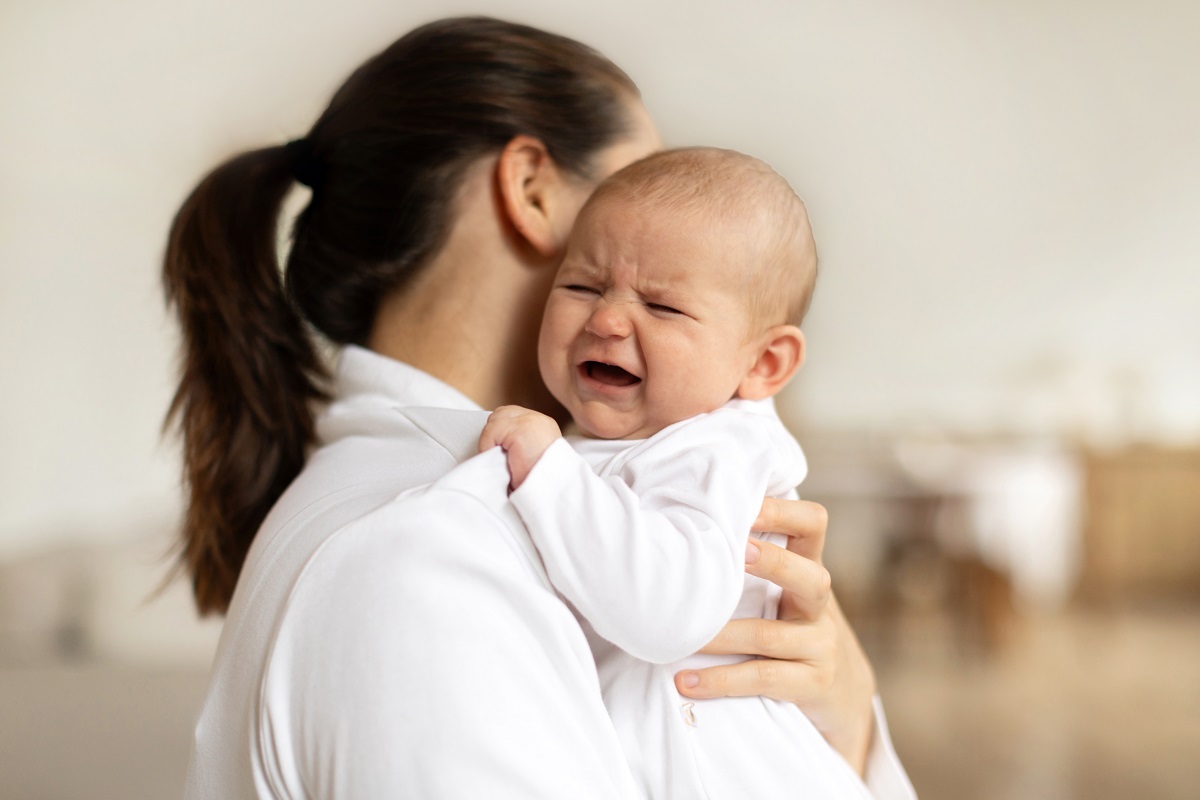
[
  {"x": 384, "y": 161},
  {"x": 250, "y": 371}
]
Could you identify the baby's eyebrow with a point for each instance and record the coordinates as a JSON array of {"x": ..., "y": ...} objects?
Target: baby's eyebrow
[
  {"x": 666, "y": 286},
  {"x": 582, "y": 268},
  {"x": 663, "y": 292}
]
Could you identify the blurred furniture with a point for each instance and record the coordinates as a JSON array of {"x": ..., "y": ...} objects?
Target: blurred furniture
[
  {"x": 1142, "y": 529},
  {"x": 938, "y": 542}
]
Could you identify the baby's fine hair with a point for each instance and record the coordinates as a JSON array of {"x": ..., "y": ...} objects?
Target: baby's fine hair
[{"x": 731, "y": 187}]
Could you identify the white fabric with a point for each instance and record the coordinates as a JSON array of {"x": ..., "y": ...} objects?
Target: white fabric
[
  {"x": 393, "y": 641},
  {"x": 647, "y": 541},
  {"x": 373, "y": 651}
]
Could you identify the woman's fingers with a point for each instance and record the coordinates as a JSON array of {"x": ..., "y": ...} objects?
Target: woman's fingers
[
  {"x": 801, "y": 520},
  {"x": 790, "y": 681},
  {"x": 841, "y": 710},
  {"x": 806, "y": 584},
  {"x": 791, "y": 641},
  {"x": 809, "y": 655}
]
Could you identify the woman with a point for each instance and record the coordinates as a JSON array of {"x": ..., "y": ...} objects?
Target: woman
[{"x": 372, "y": 648}]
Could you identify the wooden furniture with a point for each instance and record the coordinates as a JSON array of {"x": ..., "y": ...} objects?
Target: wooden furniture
[{"x": 1142, "y": 524}]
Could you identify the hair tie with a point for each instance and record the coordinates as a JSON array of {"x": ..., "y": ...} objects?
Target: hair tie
[{"x": 306, "y": 167}]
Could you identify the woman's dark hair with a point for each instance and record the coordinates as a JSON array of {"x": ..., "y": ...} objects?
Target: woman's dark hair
[{"x": 384, "y": 161}]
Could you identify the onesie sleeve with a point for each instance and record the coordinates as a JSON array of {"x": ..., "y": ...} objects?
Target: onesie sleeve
[{"x": 653, "y": 556}]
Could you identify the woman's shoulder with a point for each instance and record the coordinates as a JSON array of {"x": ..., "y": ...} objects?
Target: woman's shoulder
[{"x": 358, "y": 622}]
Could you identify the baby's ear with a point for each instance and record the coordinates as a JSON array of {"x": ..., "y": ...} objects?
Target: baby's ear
[{"x": 781, "y": 354}]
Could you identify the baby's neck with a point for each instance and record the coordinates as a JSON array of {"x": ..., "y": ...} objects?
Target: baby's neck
[{"x": 572, "y": 428}]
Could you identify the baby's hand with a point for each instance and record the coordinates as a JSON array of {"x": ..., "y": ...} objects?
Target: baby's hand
[{"x": 523, "y": 434}]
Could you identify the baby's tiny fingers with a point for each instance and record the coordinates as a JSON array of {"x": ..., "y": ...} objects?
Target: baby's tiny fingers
[
  {"x": 496, "y": 432},
  {"x": 487, "y": 439}
]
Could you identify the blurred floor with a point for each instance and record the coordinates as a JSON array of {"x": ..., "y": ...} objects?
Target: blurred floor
[{"x": 1085, "y": 705}]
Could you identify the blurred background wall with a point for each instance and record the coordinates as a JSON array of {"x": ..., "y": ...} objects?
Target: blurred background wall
[{"x": 1001, "y": 403}]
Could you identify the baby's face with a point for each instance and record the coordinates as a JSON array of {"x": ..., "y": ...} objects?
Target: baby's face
[{"x": 648, "y": 322}]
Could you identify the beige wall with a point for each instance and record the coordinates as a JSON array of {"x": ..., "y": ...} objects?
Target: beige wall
[{"x": 1005, "y": 196}]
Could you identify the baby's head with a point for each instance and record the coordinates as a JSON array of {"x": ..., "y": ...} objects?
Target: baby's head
[{"x": 683, "y": 287}]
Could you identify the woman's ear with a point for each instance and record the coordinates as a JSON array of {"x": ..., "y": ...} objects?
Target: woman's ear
[
  {"x": 780, "y": 356},
  {"x": 536, "y": 195}
]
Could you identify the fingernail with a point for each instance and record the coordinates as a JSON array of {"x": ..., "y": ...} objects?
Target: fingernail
[
  {"x": 689, "y": 680},
  {"x": 751, "y": 552}
]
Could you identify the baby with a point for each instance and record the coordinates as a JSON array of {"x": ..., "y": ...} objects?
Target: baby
[{"x": 672, "y": 322}]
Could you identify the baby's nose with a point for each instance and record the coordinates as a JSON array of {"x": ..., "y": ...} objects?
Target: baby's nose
[{"x": 609, "y": 320}]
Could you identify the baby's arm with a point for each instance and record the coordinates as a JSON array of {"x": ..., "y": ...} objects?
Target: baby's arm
[
  {"x": 652, "y": 558},
  {"x": 524, "y": 435}
]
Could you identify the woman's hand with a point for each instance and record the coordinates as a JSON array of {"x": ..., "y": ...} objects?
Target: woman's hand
[{"x": 809, "y": 656}]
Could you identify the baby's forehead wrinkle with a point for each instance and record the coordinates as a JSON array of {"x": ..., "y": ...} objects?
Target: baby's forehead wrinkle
[
  {"x": 752, "y": 220},
  {"x": 630, "y": 278},
  {"x": 675, "y": 284},
  {"x": 585, "y": 265}
]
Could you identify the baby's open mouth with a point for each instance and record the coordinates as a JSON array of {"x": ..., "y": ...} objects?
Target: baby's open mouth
[{"x": 609, "y": 374}]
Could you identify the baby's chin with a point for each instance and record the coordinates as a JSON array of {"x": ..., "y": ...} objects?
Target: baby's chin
[{"x": 604, "y": 423}]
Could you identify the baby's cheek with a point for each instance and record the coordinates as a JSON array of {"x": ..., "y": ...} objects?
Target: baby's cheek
[
  {"x": 559, "y": 388},
  {"x": 551, "y": 364},
  {"x": 698, "y": 391},
  {"x": 687, "y": 400}
]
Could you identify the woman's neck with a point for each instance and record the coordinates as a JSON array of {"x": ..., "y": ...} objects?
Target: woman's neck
[
  {"x": 473, "y": 328},
  {"x": 471, "y": 316}
]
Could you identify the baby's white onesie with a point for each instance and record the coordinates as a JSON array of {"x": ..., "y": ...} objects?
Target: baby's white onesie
[{"x": 646, "y": 540}]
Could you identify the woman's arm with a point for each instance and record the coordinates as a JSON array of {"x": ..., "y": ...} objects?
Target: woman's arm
[{"x": 810, "y": 654}]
